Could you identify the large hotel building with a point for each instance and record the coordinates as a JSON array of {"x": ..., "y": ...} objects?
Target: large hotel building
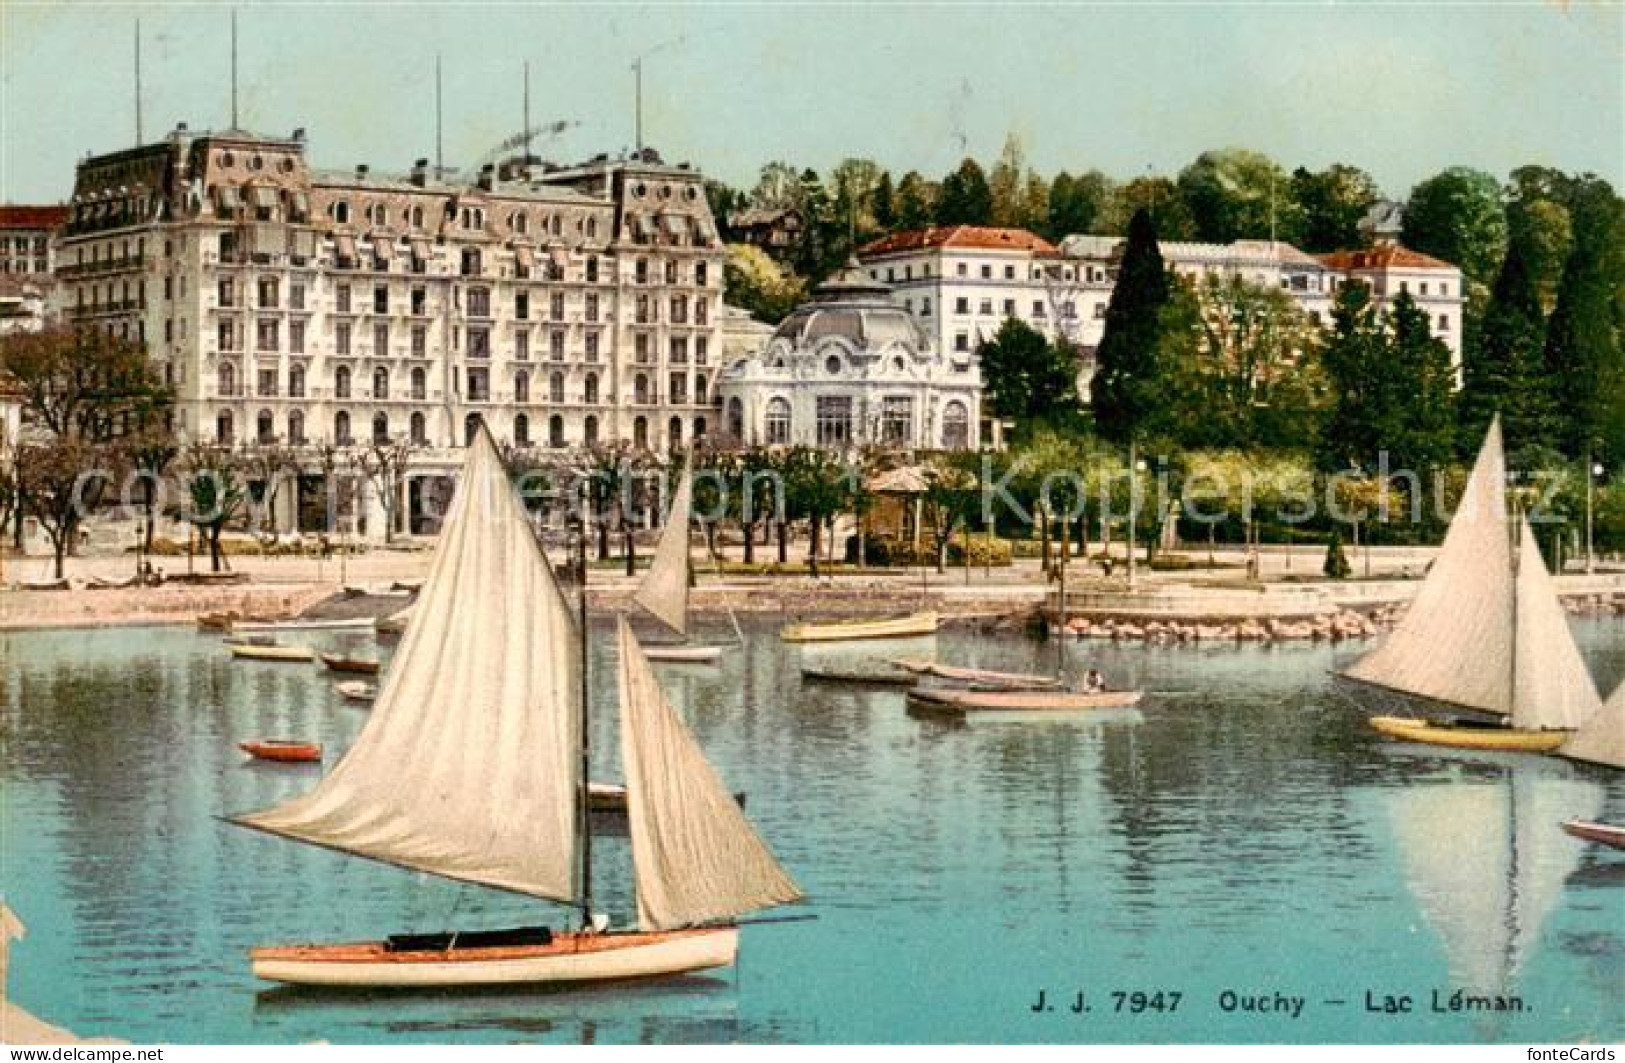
[{"x": 563, "y": 307}]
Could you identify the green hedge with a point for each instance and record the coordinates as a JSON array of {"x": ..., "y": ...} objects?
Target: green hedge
[{"x": 889, "y": 551}]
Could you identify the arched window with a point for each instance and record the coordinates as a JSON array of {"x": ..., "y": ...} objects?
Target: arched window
[
  {"x": 521, "y": 223},
  {"x": 699, "y": 429},
  {"x": 380, "y": 383},
  {"x": 341, "y": 212},
  {"x": 589, "y": 431},
  {"x": 674, "y": 432},
  {"x": 419, "y": 384},
  {"x": 640, "y": 390},
  {"x": 228, "y": 379},
  {"x": 521, "y": 429},
  {"x": 555, "y": 387},
  {"x": 521, "y": 387},
  {"x": 417, "y": 217},
  {"x": 736, "y": 418},
  {"x": 778, "y": 421},
  {"x": 296, "y": 428},
  {"x": 265, "y": 428},
  {"x": 341, "y": 428},
  {"x": 341, "y": 382},
  {"x": 222, "y": 428},
  {"x": 592, "y": 228},
  {"x": 555, "y": 431},
  {"x": 589, "y": 388},
  {"x": 380, "y": 427},
  {"x": 955, "y": 426},
  {"x": 471, "y": 428},
  {"x": 640, "y": 432},
  {"x": 420, "y": 432},
  {"x": 296, "y": 382}
]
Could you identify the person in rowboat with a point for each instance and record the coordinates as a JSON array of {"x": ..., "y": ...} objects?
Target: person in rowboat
[{"x": 1094, "y": 682}]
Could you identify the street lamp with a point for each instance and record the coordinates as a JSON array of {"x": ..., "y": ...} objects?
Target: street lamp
[
  {"x": 1135, "y": 467},
  {"x": 1593, "y": 471}
]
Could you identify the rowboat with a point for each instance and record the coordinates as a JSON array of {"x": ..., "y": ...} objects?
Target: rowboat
[
  {"x": 356, "y": 690},
  {"x": 958, "y": 701},
  {"x": 355, "y": 665},
  {"x": 682, "y": 651},
  {"x": 924, "y": 623},
  {"x": 282, "y": 749},
  {"x": 1485, "y": 638},
  {"x": 1601, "y": 833},
  {"x": 249, "y": 640},
  {"x": 857, "y": 676},
  {"x": 980, "y": 676},
  {"x": 508, "y": 726},
  {"x": 395, "y": 623},
  {"x": 362, "y": 623},
  {"x": 1463, "y": 735},
  {"x": 249, "y": 652}
]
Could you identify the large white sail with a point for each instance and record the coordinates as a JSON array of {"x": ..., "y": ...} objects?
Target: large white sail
[
  {"x": 664, "y": 590},
  {"x": 1601, "y": 739},
  {"x": 1552, "y": 687},
  {"x": 1455, "y": 642},
  {"x": 695, "y": 857},
  {"x": 468, "y": 766},
  {"x": 1487, "y": 863}
]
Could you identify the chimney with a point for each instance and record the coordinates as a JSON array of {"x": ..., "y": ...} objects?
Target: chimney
[
  {"x": 487, "y": 177},
  {"x": 420, "y": 172},
  {"x": 299, "y": 135},
  {"x": 361, "y": 172}
]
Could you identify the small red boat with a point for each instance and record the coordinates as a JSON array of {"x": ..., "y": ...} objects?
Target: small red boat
[
  {"x": 1601, "y": 833},
  {"x": 282, "y": 749}
]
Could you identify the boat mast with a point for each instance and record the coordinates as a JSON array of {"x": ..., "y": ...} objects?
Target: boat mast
[
  {"x": 583, "y": 796},
  {"x": 1514, "y": 535}
]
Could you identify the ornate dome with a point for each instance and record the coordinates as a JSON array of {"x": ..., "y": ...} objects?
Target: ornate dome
[{"x": 854, "y": 307}]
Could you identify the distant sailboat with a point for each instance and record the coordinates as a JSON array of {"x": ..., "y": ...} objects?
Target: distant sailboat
[
  {"x": 1485, "y": 647},
  {"x": 472, "y": 767},
  {"x": 664, "y": 590},
  {"x": 1601, "y": 739}
]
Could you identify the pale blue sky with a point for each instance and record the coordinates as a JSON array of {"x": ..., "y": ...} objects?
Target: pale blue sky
[{"x": 1401, "y": 89}]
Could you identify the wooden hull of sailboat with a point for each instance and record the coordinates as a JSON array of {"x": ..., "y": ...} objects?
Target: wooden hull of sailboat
[
  {"x": 351, "y": 665},
  {"x": 955, "y": 702},
  {"x": 568, "y": 957},
  {"x": 847, "y": 630},
  {"x": 357, "y": 624},
  {"x": 1493, "y": 739},
  {"x": 682, "y": 651},
  {"x": 282, "y": 749},
  {"x": 1601, "y": 833},
  {"x": 290, "y": 654}
]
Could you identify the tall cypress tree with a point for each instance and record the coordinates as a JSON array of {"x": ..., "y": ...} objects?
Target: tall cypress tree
[
  {"x": 1353, "y": 359},
  {"x": 1583, "y": 355},
  {"x": 1125, "y": 391},
  {"x": 1503, "y": 371},
  {"x": 1418, "y": 426}
]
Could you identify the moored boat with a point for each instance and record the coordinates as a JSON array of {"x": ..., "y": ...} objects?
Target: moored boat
[
  {"x": 282, "y": 749},
  {"x": 356, "y": 690},
  {"x": 1601, "y": 833},
  {"x": 663, "y": 591},
  {"x": 257, "y": 652},
  {"x": 1485, "y": 640},
  {"x": 1601, "y": 738},
  {"x": 682, "y": 651},
  {"x": 922, "y": 623},
  {"x": 858, "y": 676},
  {"x": 957, "y": 701},
  {"x": 352, "y": 665},
  {"x": 512, "y": 799},
  {"x": 980, "y": 676},
  {"x": 296, "y": 624}
]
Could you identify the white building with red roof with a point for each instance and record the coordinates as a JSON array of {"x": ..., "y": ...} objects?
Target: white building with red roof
[{"x": 1389, "y": 269}]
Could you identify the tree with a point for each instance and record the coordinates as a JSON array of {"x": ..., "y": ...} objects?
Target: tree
[
  {"x": 383, "y": 463},
  {"x": 1353, "y": 359},
  {"x": 1332, "y": 203},
  {"x": 1458, "y": 216},
  {"x": 916, "y": 202},
  {"x": 1538, "y": 221},
  {"x": 1077, "y": 204},
  {"x": 1236, "y": 194},
  {"x": 885, "y": 203},
  {"x": 82, "y": 383},
  {"x": 1336, "y": 565},
  {"x": 1025, "y": 376},
  {"x": 1157, "y": 196},
  {"x": 1006, "y": 185},
  {"x": 817, "y": 486},
  {"x": 61, "y": 481},
  {"x": 1502, "y": 370},
  {"x": 949, "y": 501},
  {"x": 1584, "y": 357},
  {"x": 723, "y": 201},
  {"x": 966, "y": 198},
  {"x": 754, "y": 282},
  {"x": 151, "y": 452},
  {"x": 1125, "y": 391},
  {"x": 216, "y": 493},
  {"x": 778, "y": 187},
  {"x": 1421, "y": 395}
]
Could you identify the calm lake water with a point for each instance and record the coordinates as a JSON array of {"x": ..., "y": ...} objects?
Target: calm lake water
[{"x": 1244, "y": 834}]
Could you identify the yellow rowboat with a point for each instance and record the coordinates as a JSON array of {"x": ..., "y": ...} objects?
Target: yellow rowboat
[
  {"x": 844, "y": 630},
  {"x": 250, "y": 652},
  {"x": 1491, "y": 738}
]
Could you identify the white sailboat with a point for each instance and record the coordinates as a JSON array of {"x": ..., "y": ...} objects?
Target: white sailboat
[
  {"x": 664, "y": 589},
  {"x": 472, "y": 766},
  {"x": 1485, "y": 649},
  {"x": 1601, "y": 739}
]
